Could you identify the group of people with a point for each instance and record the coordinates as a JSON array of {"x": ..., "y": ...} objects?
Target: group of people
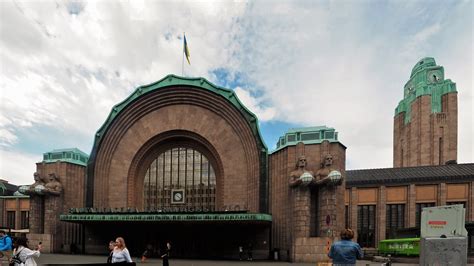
[
  {"x": 16, "y": 251},
  {"x": 120, "y": 254}
]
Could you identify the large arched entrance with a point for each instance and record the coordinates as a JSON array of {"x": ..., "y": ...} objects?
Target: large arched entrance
[
  {"x": 179, "y": 160},
  {"x": 180, "y": 177}
]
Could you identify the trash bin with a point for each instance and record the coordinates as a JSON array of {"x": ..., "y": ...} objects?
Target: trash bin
[{"x": 276, "y": 254}]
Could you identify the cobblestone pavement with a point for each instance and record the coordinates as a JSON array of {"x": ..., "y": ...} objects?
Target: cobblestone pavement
[{"x": 77, "y": 259}]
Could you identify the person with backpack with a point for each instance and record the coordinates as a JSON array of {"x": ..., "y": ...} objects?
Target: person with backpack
[
  {"x": 22, "y": 255},
  {"x": 5, "y": 244}
]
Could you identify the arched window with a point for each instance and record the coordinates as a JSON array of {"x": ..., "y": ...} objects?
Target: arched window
[{"x": 180, "y": 169}]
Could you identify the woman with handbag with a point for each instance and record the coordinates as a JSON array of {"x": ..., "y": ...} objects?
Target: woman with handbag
[{"x": 22, "y": 255}]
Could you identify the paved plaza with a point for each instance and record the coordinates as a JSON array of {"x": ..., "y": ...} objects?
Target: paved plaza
[{"x": 87, "y": 259}]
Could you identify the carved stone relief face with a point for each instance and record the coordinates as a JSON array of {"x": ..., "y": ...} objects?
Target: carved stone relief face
[
  {"x": 302, "y": 162},
  {"x": 328, "y": 160},
  {"x": 36, "y": 176}
]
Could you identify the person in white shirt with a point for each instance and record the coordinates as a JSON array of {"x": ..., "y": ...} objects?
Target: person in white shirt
[
  {"x": 121, "y": 253},
  {"x": 23, "y": 253}
]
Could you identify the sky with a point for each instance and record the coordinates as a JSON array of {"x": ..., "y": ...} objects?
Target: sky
[{"x": 343, "y": 64}]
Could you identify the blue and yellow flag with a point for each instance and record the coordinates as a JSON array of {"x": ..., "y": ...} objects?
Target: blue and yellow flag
[{"x": 186, "y": 50}]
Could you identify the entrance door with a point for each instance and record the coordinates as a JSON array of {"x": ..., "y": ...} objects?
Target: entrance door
[{"x": 196, "y": 241}]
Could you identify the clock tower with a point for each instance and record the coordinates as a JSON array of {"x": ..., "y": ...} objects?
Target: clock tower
[{"x": 426, "y": 119}]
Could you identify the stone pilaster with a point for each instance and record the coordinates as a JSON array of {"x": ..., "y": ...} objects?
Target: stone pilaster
[
  {"x": 353, "y": 211},
  {"x": 412, "y": 206},
  {"x": 36, "y": 214},
  {"x": 381, "y": 215},
  {"x": 301, "y": 214},
  {"x": 53, "y": 206},
  {"x": 470, "y": 204},
  {"x": 442, "y": 194}
]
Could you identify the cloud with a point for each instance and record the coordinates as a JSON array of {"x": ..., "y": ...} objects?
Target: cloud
[
  {"x": 18, "y": 167},
  {"x": 346, "y": 69},
  {"x": 255, "y": 105},
  {"x": 63, "y": 65}
]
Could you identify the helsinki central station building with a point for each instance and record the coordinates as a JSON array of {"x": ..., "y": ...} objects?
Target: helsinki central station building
[{"x": 182, "y": 160}]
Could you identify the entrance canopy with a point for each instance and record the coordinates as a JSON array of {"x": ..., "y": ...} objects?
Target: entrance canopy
[{"x": 247, "y": 218}]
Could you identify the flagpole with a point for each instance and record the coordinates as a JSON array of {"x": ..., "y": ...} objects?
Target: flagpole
[{"x": 182, "y": 63}]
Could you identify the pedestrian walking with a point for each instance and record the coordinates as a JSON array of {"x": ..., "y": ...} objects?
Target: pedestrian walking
[
  {"x": 147, "y": 253},
  {"x": 120, "y": 253},
  {"x": 22, "y": 255},
  {"x": 111, "y": 251},
  {"x": 166, "y": 254},
  {"x": 344, "y": 251},
  {"x": 5, "y": 245},
  {"x": 241, "y": 253},
  {"x": 250, "y": 252}
]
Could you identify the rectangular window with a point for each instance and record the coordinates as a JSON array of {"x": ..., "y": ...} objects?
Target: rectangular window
[
  {"x": 419, "y": 208},
  {"x": 329, "y": 134},
  {"x": 11, "y": 219},
  {"x": 291, "y": 137},
  {"x": 395, "y": 220},
  {"x": 366, "y": 225},
  {"x": 310, "y": 136},
  {"x": 25, "y": 219}
]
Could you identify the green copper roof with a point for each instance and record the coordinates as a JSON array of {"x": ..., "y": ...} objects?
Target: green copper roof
[
  {"x": 180, "y": 217},
  {"x": 426, "y": 79},
  {"x": 307, "y": 135},
  {"x": 173, "y": 80},
  {"x": 72, "y": 155}
]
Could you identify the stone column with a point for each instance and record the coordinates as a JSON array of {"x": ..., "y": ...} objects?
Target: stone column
[
  {"x": 17, "y": 214},
  {"x": 353, "y": 211},
  {"x": 36, "y": 214},
  {"x": 301, "y": 218},
  {"x": 301, "y": 211},
  {"x": 412, "y": 206},
  {"x": 53, "y": 207},
  {"x": 470, "y": 204},
  {"x": 331, "y": 210},
  {"x": 442, "y": 194},
  {"x": 381, "y": 214}
]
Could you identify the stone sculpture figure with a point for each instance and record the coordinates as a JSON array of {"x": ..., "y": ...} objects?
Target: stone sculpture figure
[
  {"x": 53, "y": 187},
  {"x": 327, "y": 174},
  {"x": 38, "y": 181},
  {"x": 300, "y": 175},
  {"x": 33, "y": 188}
]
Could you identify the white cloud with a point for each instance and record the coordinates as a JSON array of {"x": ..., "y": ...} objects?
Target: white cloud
[
  {"x": 18, "y": 167},
  {"x": 347, "y": 68},
  {"x": 255, "y": 105},
  {"x": 7, "y": 137},
  {"x": 63, "y": 65}
]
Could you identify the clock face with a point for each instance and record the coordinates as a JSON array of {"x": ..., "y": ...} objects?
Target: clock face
[
  {"x": 177, "y": 196},
  {"x": 409, "y": 89},
  {"x": 435, "y": 76}
]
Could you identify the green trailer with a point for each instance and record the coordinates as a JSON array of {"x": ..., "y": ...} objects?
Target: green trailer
[{"x": 402, "y": 246}]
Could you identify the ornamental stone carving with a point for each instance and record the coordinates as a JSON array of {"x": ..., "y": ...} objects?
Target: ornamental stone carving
[
  {"x": 325, "y": 175},
  {"x": 301, "y": 176},
  {"x": 51, "y": 186}
]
